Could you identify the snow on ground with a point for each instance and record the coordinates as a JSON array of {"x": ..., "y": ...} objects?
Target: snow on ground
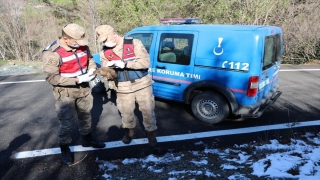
[{"x": 298, "y": 159}]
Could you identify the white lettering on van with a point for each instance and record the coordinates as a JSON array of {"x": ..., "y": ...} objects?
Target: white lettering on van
[
  {"x": 177, "y": 73},
  {"x": 220, "y": 39},
  {"x": 235, "y": 65},
  {"x": 263, "y": 83},
  {"x": 275, "y": 73},
  {"x": 196, "y": 76},
  {"x": 245, "y": 66},
  {"x": 151, "y": 70}
]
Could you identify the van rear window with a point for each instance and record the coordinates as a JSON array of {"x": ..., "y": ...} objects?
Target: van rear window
[
  {"x": 272, "y": 47},
  {"x": 145, "y": 38}
]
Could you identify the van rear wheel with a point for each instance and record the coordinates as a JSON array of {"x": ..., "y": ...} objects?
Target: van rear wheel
[{"x": 210, "y": 107}]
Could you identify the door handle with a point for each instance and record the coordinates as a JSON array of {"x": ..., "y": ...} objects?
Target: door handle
[{"x": 161, "y": 67}]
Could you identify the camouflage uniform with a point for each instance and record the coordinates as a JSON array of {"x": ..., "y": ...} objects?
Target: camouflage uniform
[
  {"x": 139, "y": 91},
  {"x": 73, "y": 101}
]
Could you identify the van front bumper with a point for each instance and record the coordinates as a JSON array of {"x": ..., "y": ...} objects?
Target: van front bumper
[{"x": 256, "y": 110}]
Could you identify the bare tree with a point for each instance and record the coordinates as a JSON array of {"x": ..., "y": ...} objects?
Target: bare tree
[
  {"x": 25, "y": 31},
  {"x": 91, "y": 20},
  {"x": 11, "y": 26},
  {"x": 40, "y": 29},
  {"x": 3, "y": 48}
]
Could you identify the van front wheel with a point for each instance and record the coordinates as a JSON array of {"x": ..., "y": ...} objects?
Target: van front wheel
[{"x": 210, "y": 107}]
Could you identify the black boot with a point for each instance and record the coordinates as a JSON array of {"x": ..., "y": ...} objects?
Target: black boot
[
  {"x": 152, "y": 138},
  {"x": 128, "y": 135},
  {"x": 87, "y": 141},
  {"x": 66, "y": 155}
]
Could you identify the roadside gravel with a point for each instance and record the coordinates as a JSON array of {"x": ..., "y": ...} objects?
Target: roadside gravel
[{"x": 15, "y": 68}]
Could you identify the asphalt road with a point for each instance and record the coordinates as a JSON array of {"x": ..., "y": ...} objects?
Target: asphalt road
[{"x": 28, "y": 123}]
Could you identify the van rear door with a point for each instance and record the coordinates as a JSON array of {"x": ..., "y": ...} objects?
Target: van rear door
[{"x": 270, "y": 64}]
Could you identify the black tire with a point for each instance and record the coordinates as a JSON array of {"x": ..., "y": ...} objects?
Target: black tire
[{"x": 210, "y": 107}]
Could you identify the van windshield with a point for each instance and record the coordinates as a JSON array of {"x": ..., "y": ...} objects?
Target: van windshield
[{"x": 272, "y": 48}]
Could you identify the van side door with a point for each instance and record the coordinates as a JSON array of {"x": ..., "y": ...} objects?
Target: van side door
[{"x": 173, "y": 63}]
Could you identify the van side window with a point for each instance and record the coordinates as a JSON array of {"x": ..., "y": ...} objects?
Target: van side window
[
  {"x": 272, "y": 48},
  {"x": 145, "y": 38},
  {"x": 175, "y": 48}
]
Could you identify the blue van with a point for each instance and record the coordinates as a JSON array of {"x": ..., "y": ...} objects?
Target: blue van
[{"x": 220, "y": 70}]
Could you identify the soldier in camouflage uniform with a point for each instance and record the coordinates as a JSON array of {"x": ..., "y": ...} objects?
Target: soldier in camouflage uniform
[
  {"x": 134, "y": 84},
  {"x": 68, "y": 65}
]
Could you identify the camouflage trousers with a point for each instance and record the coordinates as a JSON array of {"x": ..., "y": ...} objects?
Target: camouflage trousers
[
  {"x": 69, "y": 111},
  {"x": 126, "y": 105}
]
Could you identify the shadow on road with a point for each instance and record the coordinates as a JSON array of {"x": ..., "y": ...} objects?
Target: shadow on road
[{"x": 5, "y": 155}]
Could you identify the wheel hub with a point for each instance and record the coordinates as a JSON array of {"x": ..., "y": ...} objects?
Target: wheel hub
[{"x": 208, "y": 108}]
